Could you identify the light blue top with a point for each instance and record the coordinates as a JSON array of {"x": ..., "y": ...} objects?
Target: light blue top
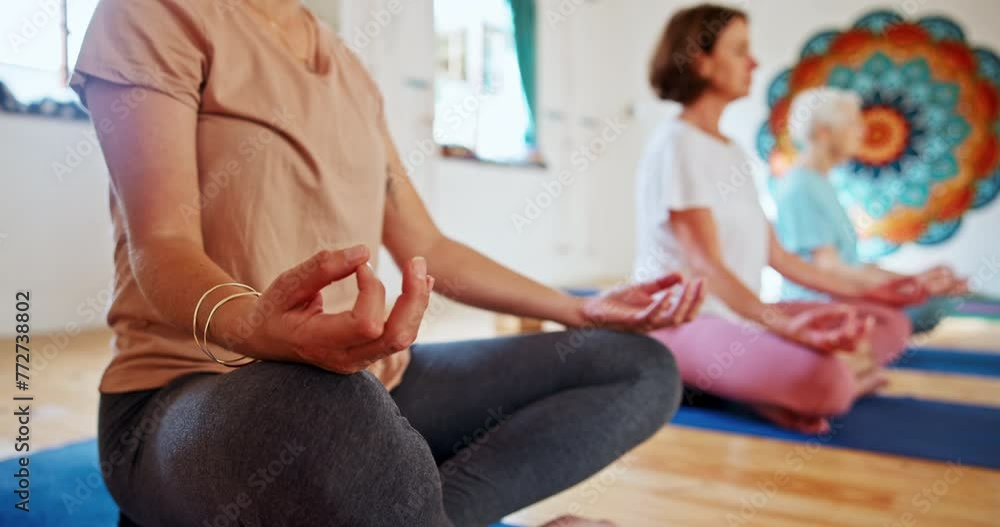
[{"x": 809, "y": 217}]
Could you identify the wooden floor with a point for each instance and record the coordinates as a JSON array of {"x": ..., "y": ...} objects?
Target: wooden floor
[
  {"x": 680, "y": 477},
  {"x": 690, "y": 477}
]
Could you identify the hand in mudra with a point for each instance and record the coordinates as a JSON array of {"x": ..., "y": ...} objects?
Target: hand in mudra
[
  {"x": 293, "y": 326},
  {"x": 942, "y": 281},
  {"x": 665, "y": 302},
  {"x": 898, "y": 292},
  {"x": 828, "y": 328}
]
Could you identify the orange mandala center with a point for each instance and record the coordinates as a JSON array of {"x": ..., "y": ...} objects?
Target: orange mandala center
[{"x": 886, "y": 136}]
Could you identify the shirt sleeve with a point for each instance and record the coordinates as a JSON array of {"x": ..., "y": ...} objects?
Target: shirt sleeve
[
  {"x": 802, "y": 225},
  {"x": 154, "y": 44},
  {"x": 684, "y": 187}
]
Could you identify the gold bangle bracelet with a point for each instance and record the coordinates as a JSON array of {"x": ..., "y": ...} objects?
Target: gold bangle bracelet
[
  {"x": 197, "y": 308},
  {"x": 233, "y": 363}
]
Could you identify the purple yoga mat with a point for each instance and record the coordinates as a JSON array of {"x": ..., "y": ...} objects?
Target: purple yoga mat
[{"x": 973, "y": 307}]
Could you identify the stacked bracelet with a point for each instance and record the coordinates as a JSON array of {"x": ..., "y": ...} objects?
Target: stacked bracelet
[{"x": 203, "y": 343}]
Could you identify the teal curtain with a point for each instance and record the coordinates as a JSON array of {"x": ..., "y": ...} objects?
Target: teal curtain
[{"x": 524, "y": 38}]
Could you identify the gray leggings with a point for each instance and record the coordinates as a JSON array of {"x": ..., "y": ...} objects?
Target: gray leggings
[{"x": 476, "y": 431}]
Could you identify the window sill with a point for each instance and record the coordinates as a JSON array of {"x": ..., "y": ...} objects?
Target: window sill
[
  {"x": 458, "y": 153},
  {"x": 46, "y": 109}
]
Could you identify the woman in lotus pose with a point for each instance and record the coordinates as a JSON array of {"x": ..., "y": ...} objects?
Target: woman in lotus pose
[
  {"x": 253, "y": 177},
  {"x": 698, "y": 210},
  {"x": 828, "y": 128}
]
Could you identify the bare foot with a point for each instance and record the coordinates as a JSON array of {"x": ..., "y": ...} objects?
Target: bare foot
[
  {"x": 791, "y": 420},
  {"x": 576, "y": 521},
  {"x": 871, "y": 382}
]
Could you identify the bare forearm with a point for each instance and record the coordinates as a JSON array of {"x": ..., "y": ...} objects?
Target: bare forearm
[
  {"x": 469, "y": 277},
  {"x": 856, "y": 278},
  {"x": 862, "y": 277},
  {"x": 173, "y": 273},
  {"x": 827, "y": 258},
  {"x": 876, "y": 275},
  {"x": 834, "y": 281}
]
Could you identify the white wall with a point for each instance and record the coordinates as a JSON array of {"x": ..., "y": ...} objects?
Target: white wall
[
  {"x": 592, "y": 59},
  {"x": 57, "y": 241}
]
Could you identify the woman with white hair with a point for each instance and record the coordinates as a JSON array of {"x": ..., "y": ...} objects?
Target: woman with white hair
[{"x": 826, "y": 124}]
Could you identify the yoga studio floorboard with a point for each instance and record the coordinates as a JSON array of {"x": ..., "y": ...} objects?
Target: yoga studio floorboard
[{"x": 682, "y": 476}]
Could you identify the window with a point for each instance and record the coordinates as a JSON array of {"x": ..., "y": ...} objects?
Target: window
[
  {"x": 42, "y": 40},
  {"x": 480, "y": 107}
]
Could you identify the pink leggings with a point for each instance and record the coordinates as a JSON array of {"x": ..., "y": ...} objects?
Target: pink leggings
[{"x": 744, "y": 362}]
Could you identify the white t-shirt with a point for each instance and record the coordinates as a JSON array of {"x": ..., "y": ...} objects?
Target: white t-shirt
[{"x": 684, "y": 167}]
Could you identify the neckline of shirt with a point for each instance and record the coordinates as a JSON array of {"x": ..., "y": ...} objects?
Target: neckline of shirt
[
  {"x": 728, "y": 143},
  {"x": 322, "y": 53}
]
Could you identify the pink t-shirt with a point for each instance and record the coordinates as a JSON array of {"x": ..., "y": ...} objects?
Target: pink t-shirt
[{"x": 290, "y": 161}]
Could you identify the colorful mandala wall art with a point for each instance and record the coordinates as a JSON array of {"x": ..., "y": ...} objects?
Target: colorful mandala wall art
[{"x": 932, "y": 119}]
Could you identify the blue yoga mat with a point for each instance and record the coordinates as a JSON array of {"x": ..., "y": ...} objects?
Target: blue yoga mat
[
  {"x": 902, "y": 426},
  {"x": 946, "y": 360},
  {"x": 69, "y": 473},
  {"x": 581, "y": 291},
  {"x": 66, "y": 490}
]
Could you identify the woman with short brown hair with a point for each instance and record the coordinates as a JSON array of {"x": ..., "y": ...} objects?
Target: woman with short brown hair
[
  {"x": 698, "y": 211},
  {"x": 689, "y": 34}
]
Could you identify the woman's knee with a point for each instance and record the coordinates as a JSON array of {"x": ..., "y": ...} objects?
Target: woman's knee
[
  {"x": 891, "y": 335},
  {"x": 333, "y": 436},
  {"x": 898, "y": 329},
  {"x": 823, "y": 390},
  {"x": 650, "y": 370}
]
